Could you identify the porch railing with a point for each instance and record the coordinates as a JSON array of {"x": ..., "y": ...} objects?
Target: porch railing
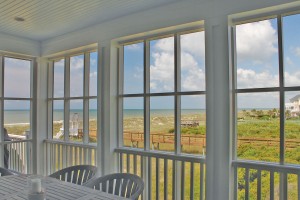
[
  {"x": 166, "y": 175},
  {"x": 255, "y": 180},
  {"x": 60, "y": 154},
  {"x": 20, "y": 155}
]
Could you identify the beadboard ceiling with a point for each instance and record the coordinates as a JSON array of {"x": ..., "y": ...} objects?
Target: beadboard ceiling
[{"x": 45, "y": 19}]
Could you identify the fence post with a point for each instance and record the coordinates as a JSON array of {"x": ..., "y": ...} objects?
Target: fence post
[{"x": 27, "y": 157}]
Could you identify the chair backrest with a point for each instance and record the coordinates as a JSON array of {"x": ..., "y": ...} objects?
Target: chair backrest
[
  {"x": 78, "y": 174},
  {"x": 5, "y": 172},
  {"x": 120, "y": 184}
]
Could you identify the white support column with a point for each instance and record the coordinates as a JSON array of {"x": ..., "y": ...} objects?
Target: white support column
[
  {"x": 41, "y": 125},
  {"x": 107, "y": 113},
  {"x": 33, "y": 120},
  {"x": 1, "y": 111},
  {"x": 218, "y": 135}
]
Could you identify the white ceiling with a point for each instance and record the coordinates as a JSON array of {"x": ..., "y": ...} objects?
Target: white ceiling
[{"x": 45, "y": 19}]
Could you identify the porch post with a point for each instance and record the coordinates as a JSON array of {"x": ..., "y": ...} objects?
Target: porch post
[
  {"x": 218, "y": 135},
  {"x": 107, "y": 160},
  {"x": 41, "y": 116}
]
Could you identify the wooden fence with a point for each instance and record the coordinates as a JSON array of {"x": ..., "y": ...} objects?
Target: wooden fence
[{"x": 200, "y": 140}]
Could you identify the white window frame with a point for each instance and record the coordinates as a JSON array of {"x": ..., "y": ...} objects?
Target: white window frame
[
  {"x": 146, "y": 94},
  {"x": 32, "y": 99},
  {"x": 281, "y": 89},
  {"x": 66, "y": 98}
]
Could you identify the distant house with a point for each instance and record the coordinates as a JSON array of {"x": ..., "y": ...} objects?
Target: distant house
[{"x": 294, "y": 106}]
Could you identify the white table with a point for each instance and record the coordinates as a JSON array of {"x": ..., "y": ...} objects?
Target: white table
[{"x": 15, "y": 188}]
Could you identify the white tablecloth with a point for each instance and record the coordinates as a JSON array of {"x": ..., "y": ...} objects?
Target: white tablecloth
[{"x": 15, "y": 188}]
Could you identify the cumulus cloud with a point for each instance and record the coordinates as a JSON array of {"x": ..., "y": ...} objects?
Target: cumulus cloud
[
  {"x": 289, "y": 61},
  {"x": 138, "y": 73},
  {"x": 134, "y": 47},
  {"x": 297, "y": 51},
  {"x": 58, "y": 79},
  {"x": 76, "y": 63},
  {"x": 93, "y": 62},
  {"x": 162, "y": 72},
  {"x": 93, "y": 75},
  {"x": 292, "y": 79},
  {"x": 247, "y": 78},
  {"x": 17, "y": 78},
  {"x": 76, "y": 75},
  {"x": 194, "y": 44},
  {"x": 193, "y": 77},
  {"x": 256, "y": 42},
  {"x": 192, "y": 64}
]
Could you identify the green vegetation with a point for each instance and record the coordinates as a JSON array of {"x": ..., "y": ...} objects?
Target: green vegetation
[{"x": 258, "y": 139}]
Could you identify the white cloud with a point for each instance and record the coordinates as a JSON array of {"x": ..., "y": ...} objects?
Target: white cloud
[
  {"x": 93, "y": 75},
  {"x": 194, "y": 44},
  {"x": 76, "y": 63},
  {"x": 194, "y": 76},
  {"x": 162, "y": 70},
  {"x": 247, "y": 78},
  {"x": 138, "y": 73},
  {"x": 297, "y": 51},
  {"x": 165, "y": 45},
  {"x": 256, "y": 41},
  {"x": 134, "y": 47},
  {"x": 93, "y": 62},
  {"x": 292, "y": 79},
  {"x": 17, "y": 78},
  {"x": 289, "y": 61}
]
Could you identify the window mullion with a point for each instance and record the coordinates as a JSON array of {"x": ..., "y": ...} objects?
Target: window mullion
[
  {"x": 50, "y": 95},
  {"x": 67, "y": 99},
  {"x": 146, "y": 97},
  {"x": 177, "y": 78},
  {"x": 86, "y": 81},
  {"x": 281, "y": 86},
  {"x": 234, "y": 93},
  {"x": 283, "y": 178},
  {"x": 120, "y": 92},
  {"x": 1, "y": 109}
]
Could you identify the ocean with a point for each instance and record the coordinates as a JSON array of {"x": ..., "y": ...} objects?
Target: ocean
[{"x": 23, "y": 116}]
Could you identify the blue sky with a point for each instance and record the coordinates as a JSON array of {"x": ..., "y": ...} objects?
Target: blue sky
[
  {"x": 19, "y": 70},
  {"x": 257, "y": 60},
  {"x": 257, "y": 66},
  {"x": 162, "y": 71}
]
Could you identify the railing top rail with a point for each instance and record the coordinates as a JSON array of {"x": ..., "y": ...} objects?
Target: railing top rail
[
  {"x": 77, "y": 144},
  {"x": 164, "y": 155},
  {"x": 287, "y": 168},
  {"x": 15, "y": 141},
  {"x": 14, "y": 136}
]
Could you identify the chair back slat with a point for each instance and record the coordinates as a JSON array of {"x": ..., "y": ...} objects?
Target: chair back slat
[
  {"x": 124, "y": 187},
  {"x": 129, "y": 188},
  {"x": 97, "y": 186},
  {"x": 117, "y": 187},
  {"x": 81, "y": 176},
  {"x": 120, "y": 184},
  {"x": 104, "y": 186},
  {"x": 111, "y": 186},
  {"x": 78, "y": 174},
  {"x": 75, "y": 177},
  {"x": 69, "y": 176},
  {"x": 62, "y": 177}
]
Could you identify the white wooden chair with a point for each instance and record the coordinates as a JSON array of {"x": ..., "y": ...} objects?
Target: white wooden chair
[{"x": 121, "y": 184}]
